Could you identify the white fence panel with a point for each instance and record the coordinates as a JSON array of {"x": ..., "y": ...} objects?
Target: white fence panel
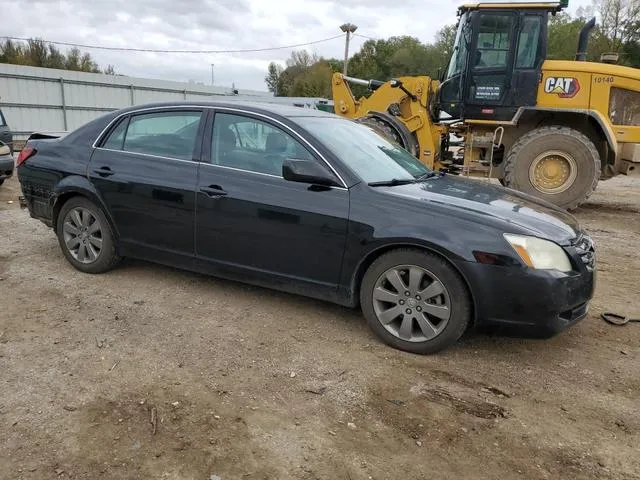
[{"x": 44, "y": 99}]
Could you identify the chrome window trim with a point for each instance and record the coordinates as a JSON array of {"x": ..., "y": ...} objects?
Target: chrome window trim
[
  {"x": 259, "y": 173},
  {"x": 214, "y": 108},
  {"x": 193, "y": 162},
  {"x": 145, "y": 109}
]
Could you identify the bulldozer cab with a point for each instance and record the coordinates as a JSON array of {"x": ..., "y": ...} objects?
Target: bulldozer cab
[{"x": 497, "y": 60}]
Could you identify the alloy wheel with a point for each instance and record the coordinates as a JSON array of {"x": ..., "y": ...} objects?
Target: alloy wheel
[
  {"x": 82, "y": 233},
  {"x": 411, "y": 303}
]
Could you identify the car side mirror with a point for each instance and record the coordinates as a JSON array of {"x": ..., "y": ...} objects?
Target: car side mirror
[
  {"x": 307, "y": 171},
  {"x": 4, "y": 149}
]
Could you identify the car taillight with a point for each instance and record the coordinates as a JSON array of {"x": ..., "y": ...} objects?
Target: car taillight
[{"x": 25, "y": 153}]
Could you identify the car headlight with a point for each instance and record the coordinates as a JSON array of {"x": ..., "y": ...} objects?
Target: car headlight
[{"x": 539, "y": 254}]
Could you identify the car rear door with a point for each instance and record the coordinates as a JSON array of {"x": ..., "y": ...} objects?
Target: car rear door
[
  {"x": 251, "y": 218},
  {"x": 145, "y": 169}
]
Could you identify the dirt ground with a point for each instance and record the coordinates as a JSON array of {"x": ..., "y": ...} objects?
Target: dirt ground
[{"x": 245, "y": 383}]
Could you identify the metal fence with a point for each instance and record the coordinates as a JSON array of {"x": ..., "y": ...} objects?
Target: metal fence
[{"x": 44, "y": 99}]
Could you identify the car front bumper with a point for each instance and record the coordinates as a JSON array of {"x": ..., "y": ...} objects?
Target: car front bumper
[
  {"x": 6, "y": 167},
  {"x": 532, "y": 302}
]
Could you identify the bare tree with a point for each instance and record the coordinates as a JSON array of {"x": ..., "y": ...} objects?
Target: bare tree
[
  {"x": 619, "y": 21},
  {"x": 301, "y": 58}
]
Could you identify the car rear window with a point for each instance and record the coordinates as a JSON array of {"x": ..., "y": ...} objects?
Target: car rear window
[
  {"x": 116, "y": 137},
  {"x": 163, "y": 134}
]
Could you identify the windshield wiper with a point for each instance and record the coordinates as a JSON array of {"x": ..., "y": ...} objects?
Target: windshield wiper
[
  {"x": 392, "y": 183},
  {"x": 427, "y": 175}
]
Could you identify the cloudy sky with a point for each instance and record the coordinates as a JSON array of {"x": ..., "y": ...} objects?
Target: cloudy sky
[{"x": 220, "y": 25}]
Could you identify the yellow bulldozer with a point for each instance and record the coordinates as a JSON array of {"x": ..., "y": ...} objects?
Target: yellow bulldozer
[{"x": 549, "y": 128}]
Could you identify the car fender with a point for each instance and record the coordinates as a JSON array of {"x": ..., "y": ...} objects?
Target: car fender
[
  {"x": 78, "y": 185},
  {"x": 379, "y": 247}
]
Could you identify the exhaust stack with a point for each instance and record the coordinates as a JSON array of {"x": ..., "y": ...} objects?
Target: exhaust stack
[{"x": 583, "y": 41}]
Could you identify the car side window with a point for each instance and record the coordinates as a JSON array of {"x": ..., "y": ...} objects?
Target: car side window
[
  {"x": 164, "y": 134},
  {"x": 250, "y": 144},
  {"x": 116, "y": 138}
]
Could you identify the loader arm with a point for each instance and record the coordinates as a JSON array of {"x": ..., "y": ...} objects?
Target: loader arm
[
  {"x": 399, "y": 107},
  {"x": 344, "y": 102}
]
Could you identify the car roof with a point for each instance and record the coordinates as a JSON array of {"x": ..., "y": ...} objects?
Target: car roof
[{"x": 257, "y": 107}]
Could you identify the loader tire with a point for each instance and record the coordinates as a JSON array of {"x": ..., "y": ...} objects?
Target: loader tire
[
  {"x": 557, "y": 164},
  {"x": 385, "y": 130}
]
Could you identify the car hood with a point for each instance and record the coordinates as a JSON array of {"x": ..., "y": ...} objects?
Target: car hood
[{"x": 490, "y": 203}]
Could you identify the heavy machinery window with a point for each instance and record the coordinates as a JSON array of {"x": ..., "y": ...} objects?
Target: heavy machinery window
[
  {"x": 624, "y": 107},
  {"x": 494, "y": 33},
  {"x": 459, "y": 49},
  {"x": 528, "y": 42}
]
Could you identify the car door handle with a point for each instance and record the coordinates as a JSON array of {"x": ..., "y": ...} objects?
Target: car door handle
[
  {"x": 104, "y": 171},
  {"x": 213, "y": 191}
]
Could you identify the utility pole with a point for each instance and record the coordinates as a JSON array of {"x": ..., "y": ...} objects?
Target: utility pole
[
  {"x": 348, "y": 28},
  {"x": 212, "y": 74}
]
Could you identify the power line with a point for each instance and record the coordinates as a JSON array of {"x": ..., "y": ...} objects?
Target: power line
[
  {"x": 363, "y": 36},
  {"x": 153, "y": 50}
]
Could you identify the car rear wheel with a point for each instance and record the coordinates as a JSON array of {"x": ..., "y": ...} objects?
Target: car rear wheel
[
  {"x": 415, "y": 301},
  {"x": 85, "y": 236}
]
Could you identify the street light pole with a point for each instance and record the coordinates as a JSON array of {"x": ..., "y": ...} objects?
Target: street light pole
[
  {"x": 212, "y": 74},
  {"x": 348, "y": 28}
]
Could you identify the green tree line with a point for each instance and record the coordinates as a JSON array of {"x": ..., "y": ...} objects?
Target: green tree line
[
  {"x": 38, "y": 53},
  {"x": 305, "y": 75}
]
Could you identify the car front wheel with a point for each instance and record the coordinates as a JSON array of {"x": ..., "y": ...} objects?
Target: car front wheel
[
  {"x": 415, "y": 301},
  {"x": 85, "y": 236}
]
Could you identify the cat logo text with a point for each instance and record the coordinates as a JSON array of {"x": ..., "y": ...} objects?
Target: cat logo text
[{"x": 564, "y": 87}]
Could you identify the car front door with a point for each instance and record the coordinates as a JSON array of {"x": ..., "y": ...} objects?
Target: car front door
[
  {"x": 146, "y": 171},
  {"x": 251, "y": 218}
]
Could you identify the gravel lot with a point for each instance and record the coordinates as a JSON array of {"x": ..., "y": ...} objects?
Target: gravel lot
[{"x": 245, "y": 383}]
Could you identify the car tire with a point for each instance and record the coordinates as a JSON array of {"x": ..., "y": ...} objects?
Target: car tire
[
  {"x": 1, "y": 181},
  {"x": 85, "y": 236},
  {"x": 432, "y": 312}
]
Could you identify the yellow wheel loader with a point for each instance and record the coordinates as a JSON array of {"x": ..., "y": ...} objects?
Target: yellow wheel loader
[{"x": 548, "y": 128}]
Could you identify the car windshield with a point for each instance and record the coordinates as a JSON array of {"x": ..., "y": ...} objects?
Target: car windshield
[{"x": 369, "y": 155}]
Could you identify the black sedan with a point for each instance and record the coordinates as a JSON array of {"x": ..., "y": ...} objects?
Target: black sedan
[
  {"x": 6, "y": 162},
  {"x": 306, "y": 202}
]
